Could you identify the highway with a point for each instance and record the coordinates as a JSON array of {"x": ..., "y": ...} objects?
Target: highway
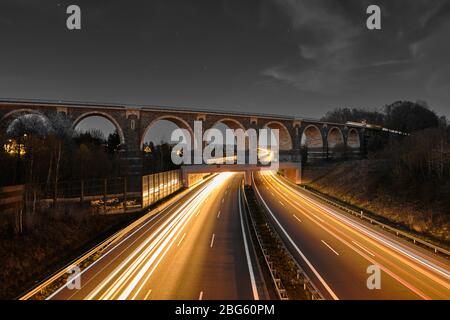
[
  {"x": 336, "y": 250},
  {"x": 197, "y": 248}
]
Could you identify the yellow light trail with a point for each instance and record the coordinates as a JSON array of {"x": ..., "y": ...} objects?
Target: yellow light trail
[
  {"x": 128, "y": 279},
  {"x": 295, "y": 199}
]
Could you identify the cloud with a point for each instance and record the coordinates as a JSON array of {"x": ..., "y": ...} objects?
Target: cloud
[
  {"x": 432, "y": 64},
  {"x": 325, "y": 47},
  {"x": 337, "y": 53}
]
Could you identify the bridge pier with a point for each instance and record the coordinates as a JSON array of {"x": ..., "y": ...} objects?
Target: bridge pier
[{"x": 293, "y": 174}]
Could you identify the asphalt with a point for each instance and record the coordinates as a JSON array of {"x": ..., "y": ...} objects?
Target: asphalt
[
  {"x": 337, "y": 251},
  {"x": 194, "y": 249}
]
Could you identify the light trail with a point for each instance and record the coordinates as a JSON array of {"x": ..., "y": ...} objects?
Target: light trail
[
  {"x": 370, "y": 233},
  {"x": 396, "y": 253},
  {"x": 123, "y": 282}
]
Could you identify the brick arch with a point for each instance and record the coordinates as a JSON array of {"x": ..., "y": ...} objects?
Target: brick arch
[
  {"x": 335, "y": 137},
  {"x": 180, "y": 122},
  {"x": 104, "y": 115},
  {"x": 353, "y": 139},
  {"x": 231, "y": 123},
  {"x": 285, "y": 135},
  {"x": 312, "y": 137},
  {"x": 234, "y": 125},
  {"x": 14, "y": 114}
]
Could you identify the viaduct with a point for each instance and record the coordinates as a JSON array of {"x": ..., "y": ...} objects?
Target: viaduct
[{"x": 319, "y": 139}]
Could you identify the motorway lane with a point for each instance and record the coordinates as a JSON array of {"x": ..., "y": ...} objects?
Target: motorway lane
[
  {"x": 173, "y": 254},
  {"x": 211, "y": 262},
  {"x": 336, "y": 250}
]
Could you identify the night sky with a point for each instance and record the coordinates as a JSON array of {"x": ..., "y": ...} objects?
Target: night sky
[{"x": 289, "y": 57}]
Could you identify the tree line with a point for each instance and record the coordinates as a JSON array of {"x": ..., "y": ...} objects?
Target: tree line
[
  {"x": 404, "y": 116},
  {"x": 30, "y": 157}
]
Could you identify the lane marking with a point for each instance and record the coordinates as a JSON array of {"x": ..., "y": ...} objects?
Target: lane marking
[
  {"x": 145, "y": 268},
  {"x": 159, "y": 216},
  {"x": 373, "y": 234},
  {"x": 218, "y": 215},
  {"x": 400, "y": 280},
  {"x": 318, "y": 217},
  {"x": 223, "y": 199},
  {"x": 356, "y": 243},
  {"x": 316, "y": 273},
  {"x": 247, "y": 253},
  {"x": 385, "y": 269},
  {"x": 198, "y": 212},
  {"x": 146, "y": 259},
  {"x": 200, "y": 296},
  {"x": 281, "y": 203},
  {"x": 212, "y": 240},
  {"x": 297, "y": 218},
  {"x": 148, "y": 294},
  {"x": 329, "y": 247},
  {"x": 167, "y": 230},
  {"x": 184, "y": 235}
]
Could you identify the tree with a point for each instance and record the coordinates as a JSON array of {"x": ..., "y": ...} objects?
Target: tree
[
  {"x": 343, "y": 115},
  {"x": 113, "y": 142},
  {"x": 408, "y": 117},
  {"x": 402, "y": 116}
]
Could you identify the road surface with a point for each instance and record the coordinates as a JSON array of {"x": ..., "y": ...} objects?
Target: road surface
[
  {"x": 193, "y": 250},
  {"x": 336, "y": 250}
]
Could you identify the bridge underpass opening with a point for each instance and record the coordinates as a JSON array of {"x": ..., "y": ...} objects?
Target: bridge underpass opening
[
  {"x": 19, "y": 130},
  {"x": 353, "y": 140},
  {"x": 335, "y": 141},
  {"x": 230, "y": 144},
  {"x": 285, "y": 140},
  {"x": 157, "y": 144},
  {"x": 313, "y": 142},
  {"x": 19, "y": 124},
  {"x": 191, "y": 173},
  {"x": 99, "y": 142},
  {"x": 98, "y": 127}
]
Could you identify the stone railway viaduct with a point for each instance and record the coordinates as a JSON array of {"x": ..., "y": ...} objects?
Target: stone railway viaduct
[{"x": 321, "y": 139}]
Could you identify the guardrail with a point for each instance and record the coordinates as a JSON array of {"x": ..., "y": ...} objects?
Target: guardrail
[
  {"x": 361, "y": 215},
  {"x": 281, "y": 292},
  {"x": 99, "y": 249},
  {"x": 46, "y": 283},
  {"x": 308, "y": 285}
]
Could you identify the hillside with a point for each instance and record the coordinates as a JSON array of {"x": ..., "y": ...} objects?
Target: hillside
[{"x": 422, "y": 207}]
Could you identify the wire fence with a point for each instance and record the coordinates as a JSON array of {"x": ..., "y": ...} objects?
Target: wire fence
[{"x": 113, "y": 195}]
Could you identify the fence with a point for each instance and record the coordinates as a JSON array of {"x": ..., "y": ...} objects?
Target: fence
[
  {"x": 159, "y": 185},
  {"x": 114, "y": 195}
]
